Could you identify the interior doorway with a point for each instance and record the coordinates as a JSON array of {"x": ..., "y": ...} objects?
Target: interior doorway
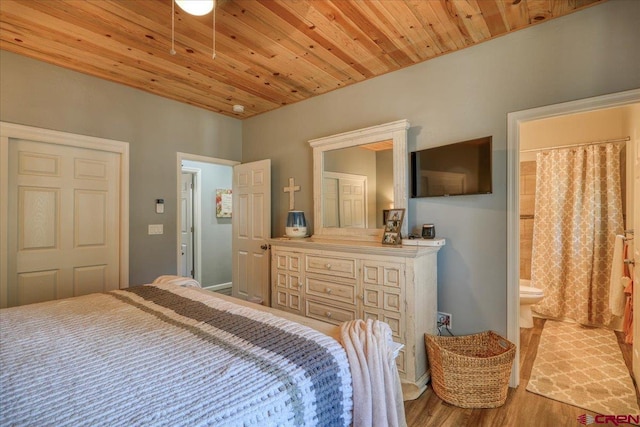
[
  {"x": 203, "y": 235},
  {"x": 515, "y": 121}
]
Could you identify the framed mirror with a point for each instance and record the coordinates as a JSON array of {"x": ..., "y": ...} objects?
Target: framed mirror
[{"x": 357, "y": 177}]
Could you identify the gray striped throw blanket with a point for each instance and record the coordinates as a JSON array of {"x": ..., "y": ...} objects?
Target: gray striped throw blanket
[{"x": 164, "y": 355}]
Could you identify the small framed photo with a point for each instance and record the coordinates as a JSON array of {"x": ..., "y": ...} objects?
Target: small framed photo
[
  {"x": 392, "y": 227},
  {"x": 391, "y": 238}
]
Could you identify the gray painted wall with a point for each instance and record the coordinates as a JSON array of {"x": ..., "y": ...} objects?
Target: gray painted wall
[
  {"x": 456, "y": 97},
  {"x": 37, "y": 94},
  {"x": 215, "y": 232}
]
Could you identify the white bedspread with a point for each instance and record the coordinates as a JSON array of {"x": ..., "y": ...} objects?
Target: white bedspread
[{"x": 166, "y": 356}]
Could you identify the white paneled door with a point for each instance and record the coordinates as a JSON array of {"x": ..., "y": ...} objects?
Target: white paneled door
[
  {"x": 353, "y": 204},
  {"x": 344, "y": 200},
  {"x": 186, "y": 225},
  {"x": 251, "y": 230},
  {"x": 63, "y": 221}
]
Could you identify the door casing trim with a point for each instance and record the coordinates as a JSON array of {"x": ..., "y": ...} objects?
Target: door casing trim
[
  {"x": 180, "y": 157},
  {"x": 514, "y": 120}
]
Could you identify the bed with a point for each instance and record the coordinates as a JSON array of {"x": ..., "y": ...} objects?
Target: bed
[{"x": 171, "y": 355}]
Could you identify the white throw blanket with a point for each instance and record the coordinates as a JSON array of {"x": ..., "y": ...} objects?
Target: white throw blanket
[
  {"x": 377, "y": 392},
  {"x": 186, "y": 282}
]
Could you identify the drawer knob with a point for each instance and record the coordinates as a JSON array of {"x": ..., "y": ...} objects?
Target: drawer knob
[
  {"x": 328, "y": 290},
  {"x": 299, "y": 284},
  {"x": 328, "y": 266},
  {"x": 328, "y": 314}
]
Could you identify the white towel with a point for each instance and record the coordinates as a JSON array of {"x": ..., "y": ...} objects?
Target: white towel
[
  {"x": 617, "y": 297},
  {"x": 187, "y": 282},
  {"x": 377, "y": 392}
]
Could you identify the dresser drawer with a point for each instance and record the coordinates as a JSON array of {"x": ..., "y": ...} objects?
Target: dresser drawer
[
  {"x": 343, "y": 292},
  {"x": 286, "y": 261},
  {"x": 394, "y": 320},
  {"x": 288, "y": 301},
  {"x": 338, "y": 267},
  {"x": 328, "y": 313},
  {"x": 287, "y": 280},
  {"x": 388, "y": 274}
]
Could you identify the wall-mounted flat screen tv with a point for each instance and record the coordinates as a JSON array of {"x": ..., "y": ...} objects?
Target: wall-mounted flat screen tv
[{"x": 453, "y": 169}]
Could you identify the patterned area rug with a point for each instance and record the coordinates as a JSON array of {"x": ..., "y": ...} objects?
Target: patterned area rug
[{"x": 583, "y": 367}]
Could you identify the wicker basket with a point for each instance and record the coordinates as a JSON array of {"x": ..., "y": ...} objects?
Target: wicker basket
[{"x": 471, "y": 371}]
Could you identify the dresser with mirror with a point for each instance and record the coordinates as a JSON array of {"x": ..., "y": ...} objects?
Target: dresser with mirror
[{"x": 344, "y": 272}]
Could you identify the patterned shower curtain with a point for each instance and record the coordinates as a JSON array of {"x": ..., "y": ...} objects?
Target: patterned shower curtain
[{"x": 578, "y": 212}]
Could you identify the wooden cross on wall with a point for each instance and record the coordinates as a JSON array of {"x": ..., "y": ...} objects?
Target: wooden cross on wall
[{"x": 291, "y": 189}]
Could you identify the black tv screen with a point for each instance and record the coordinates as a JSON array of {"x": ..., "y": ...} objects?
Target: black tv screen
[{"x": 452, "y": 170}]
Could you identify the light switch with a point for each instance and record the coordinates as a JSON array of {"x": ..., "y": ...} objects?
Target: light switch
[{"x": 156, "y": 228}]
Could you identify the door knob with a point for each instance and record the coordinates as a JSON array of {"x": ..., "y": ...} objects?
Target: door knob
[{"x": 264, "y": 247}]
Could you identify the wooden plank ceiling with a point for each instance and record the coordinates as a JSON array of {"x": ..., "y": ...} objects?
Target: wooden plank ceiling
[{"x": 269, "y": 53}]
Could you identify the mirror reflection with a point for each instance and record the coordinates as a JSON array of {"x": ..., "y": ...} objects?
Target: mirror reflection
[{"x": 357, "y": 185}]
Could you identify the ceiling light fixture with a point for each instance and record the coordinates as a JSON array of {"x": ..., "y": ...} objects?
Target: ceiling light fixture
[
  {"x": 193, "y": 7},
  {"x": 196, "y": 7}
]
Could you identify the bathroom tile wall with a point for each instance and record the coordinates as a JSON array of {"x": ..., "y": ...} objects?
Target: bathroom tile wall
[{"x": 527, "y": 208}]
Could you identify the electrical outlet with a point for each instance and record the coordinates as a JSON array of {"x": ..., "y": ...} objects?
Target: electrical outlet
[{"x": 444, "y": 319}]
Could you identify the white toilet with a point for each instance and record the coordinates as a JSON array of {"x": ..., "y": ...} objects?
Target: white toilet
[{"x": 528, "y": 296}]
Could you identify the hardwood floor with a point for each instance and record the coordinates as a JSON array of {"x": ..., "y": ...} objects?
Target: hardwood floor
[{"x": 522, "y": 408}]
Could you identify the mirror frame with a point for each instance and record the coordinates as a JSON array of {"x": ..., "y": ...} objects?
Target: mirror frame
[{"x": 395, "y": 131}]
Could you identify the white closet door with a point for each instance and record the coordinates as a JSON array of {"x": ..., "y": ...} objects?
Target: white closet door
[
  {"x": 63, "y": 221},
  {"x": 251, "y": 230},
  {"x": 352, "y": 203},
  {"x": 344, "y": 200}
]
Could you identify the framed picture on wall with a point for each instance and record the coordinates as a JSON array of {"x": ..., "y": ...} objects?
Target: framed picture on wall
[
  {"x": 223, "y": 203},
  {"x": 392, "y": 227}
]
